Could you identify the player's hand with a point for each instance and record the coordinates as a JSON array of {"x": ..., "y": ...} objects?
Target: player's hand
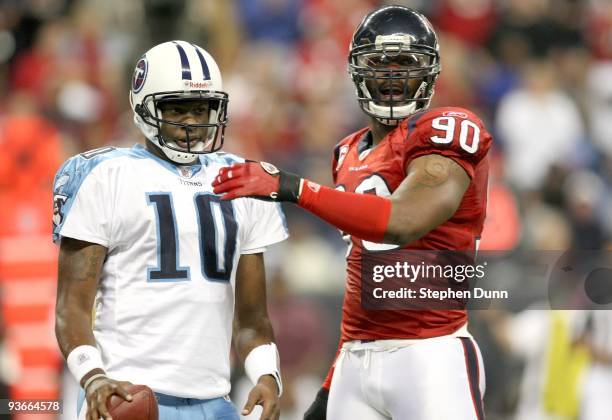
[
  {"x": 258, "y": 180},
  {"x": 98, "y": 393},
  {"x": 265, "y": 393},
  {"x": 318, "y": 408}
]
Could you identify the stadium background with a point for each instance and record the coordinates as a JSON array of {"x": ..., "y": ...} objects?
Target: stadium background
[{"x": 537, "y": 71}]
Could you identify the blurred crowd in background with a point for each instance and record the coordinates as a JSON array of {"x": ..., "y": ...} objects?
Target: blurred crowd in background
[{"x": 538, "y": 72}]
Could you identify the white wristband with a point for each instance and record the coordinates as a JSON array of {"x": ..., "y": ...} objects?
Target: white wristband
[
  {"x": 264, "y": 360},
  {"x": 82, "y": 360}
]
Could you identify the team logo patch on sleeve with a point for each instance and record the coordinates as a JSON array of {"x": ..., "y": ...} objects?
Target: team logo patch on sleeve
[
  {"x": 59, "y": 199},
  {"x": 58, "y": 202}
]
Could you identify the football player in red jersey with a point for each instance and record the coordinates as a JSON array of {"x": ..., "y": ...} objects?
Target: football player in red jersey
[{"x": 428, "y": 170}]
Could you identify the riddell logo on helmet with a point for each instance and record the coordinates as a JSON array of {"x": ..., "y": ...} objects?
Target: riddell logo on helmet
[{"x": 192, "y": 84}]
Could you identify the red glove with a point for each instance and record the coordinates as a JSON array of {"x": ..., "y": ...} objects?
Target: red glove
[
  {"x": 364, "y": 215},
  {"x": 257, "y": 179}
]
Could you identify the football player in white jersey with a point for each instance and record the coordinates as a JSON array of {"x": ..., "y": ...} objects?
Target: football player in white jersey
[{"x": 162, "y": 260}]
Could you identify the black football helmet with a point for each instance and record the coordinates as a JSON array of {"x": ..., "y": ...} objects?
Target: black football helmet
[{"x": 394, "y": 61}]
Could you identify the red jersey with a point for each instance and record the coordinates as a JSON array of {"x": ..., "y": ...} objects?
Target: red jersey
[{"x": 358, "y": 167}]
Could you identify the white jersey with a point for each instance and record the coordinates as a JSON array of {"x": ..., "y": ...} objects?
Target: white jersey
[{"x": 165, "y": 301}]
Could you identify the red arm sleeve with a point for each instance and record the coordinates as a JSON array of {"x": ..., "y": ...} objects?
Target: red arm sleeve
[{"x": 364, "y": 216}]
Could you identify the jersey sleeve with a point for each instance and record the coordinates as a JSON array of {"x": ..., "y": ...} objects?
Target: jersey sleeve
[
  {"x": 455, "y": 133},
  {"x": 267, "y": 226},
  {"x": 81, "y": 204}
]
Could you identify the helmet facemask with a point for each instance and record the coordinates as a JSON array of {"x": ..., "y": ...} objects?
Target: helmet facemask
[
  {"x": 193, "y": 138},
  {"x": 393, "y": 78}
]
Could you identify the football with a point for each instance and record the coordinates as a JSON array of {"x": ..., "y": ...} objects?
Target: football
[{"x": 142, "y": 407}]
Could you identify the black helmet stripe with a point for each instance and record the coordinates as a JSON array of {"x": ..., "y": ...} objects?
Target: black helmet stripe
[
  {"x": 205, "y": 70},
  {"x": 184, "y": 62}
]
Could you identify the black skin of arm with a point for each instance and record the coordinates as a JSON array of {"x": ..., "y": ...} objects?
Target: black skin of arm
[
  {"x": 429, "y": 195},
  {"x": 79, "y": 268},
  {"x": 252, "y": 328}
]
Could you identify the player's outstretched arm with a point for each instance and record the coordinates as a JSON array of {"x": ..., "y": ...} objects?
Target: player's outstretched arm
[
  {"x": 79, "y": 268},
  {"x": 254, "y": 338},
  {"x": 429, "y": 195}
]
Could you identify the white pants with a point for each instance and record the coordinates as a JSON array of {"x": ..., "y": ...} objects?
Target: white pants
[
  {"x": 596, "y": 402},
  {"x": 434, "y": 379}
]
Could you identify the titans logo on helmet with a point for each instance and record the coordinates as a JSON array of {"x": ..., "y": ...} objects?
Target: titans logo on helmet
[{"x": 140, "y": 74}]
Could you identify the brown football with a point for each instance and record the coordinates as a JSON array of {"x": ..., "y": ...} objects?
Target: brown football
[{"x": 142, "y": 407}]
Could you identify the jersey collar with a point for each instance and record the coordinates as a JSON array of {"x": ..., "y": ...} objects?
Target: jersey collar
[
  {"x": 177, "y": 169},
  {"x": 365, "y": 142}
]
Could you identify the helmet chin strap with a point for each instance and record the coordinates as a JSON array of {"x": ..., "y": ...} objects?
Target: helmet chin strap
[
  {"x": 391, "y": 123},
  {"x": 399, "y": 112},
  {"x": 383, "y": 113}
]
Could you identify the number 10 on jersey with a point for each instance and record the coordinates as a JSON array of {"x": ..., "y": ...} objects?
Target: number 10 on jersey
[{"x": 217, "y": 238}]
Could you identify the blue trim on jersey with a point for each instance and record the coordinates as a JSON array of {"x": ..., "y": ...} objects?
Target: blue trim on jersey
[
  {"x": 195, "y": 169},
  {"x": 205, "y": 159},
  {"x": 226, "y": 262},
  {"x": 414, "y": 119},
  {"x": 71, "y": 176},
  {"x": 282, "y": 216},
  {"x": 159, "y": 239},
  {"x": 221, "y": 158},
  {"x": 141, "y": 151}
]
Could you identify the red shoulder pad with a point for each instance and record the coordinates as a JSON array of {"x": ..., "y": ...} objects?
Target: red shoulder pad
[{"x": 452, "y": 132}]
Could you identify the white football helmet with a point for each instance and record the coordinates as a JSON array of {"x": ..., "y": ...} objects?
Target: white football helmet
[{"x": 178, "y": 70}]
